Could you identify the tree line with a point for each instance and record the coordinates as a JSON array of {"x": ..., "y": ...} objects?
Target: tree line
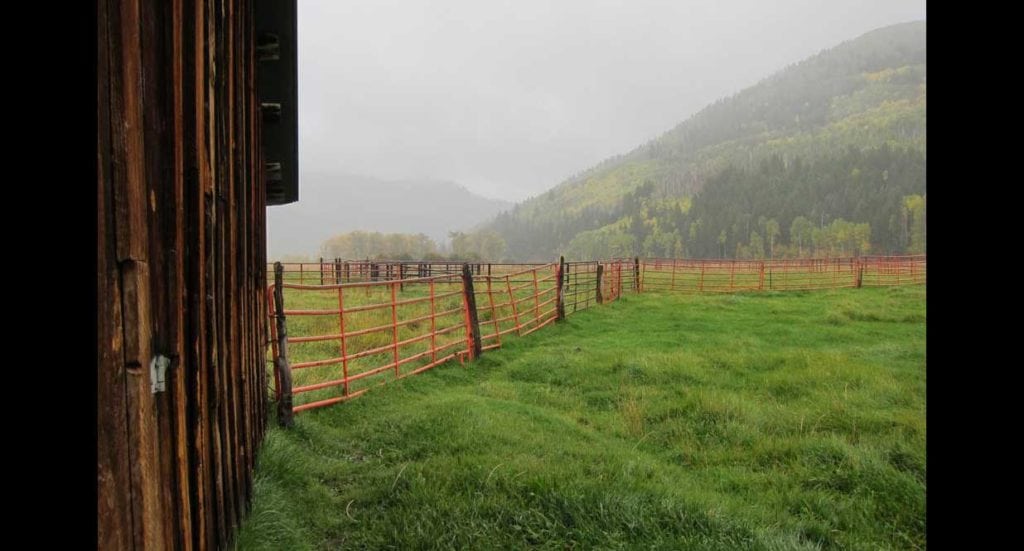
[{"x": 480, "y": 245}]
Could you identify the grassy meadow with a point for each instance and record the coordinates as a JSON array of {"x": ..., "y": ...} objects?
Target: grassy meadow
[{"x": 773, "y": 420}]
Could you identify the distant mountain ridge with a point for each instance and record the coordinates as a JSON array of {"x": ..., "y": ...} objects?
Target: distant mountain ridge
[
  {"x": 849, "y": 120},
  {"x": 337, "y": 203}
]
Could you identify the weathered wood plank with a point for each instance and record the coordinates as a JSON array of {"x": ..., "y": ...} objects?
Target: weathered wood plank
[
  {"x": 143, "y": 443},
  {"x": 213, "y": 362},
  {"x": 127, "y": 155},
  {"x": 114, "y": 521},
  {"x": 220, "y": 246},
  {"x": 131, "y": 232},
  {"x": 162, "y": 214},
  {"x": 178, "y": 291},
  {"x": 126, "y": 130},
  {"x": 236, "y": 328},
  {"x": 195, "y": 158}
]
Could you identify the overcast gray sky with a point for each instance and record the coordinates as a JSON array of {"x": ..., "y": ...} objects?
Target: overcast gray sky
[{"x": 511, "y": 97}]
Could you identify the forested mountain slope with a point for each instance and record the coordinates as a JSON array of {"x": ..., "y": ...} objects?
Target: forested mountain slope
[{"x": 826, "y": 156}]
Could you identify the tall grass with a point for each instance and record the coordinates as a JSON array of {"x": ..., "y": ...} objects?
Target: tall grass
[{"x": 788, "y": 420}]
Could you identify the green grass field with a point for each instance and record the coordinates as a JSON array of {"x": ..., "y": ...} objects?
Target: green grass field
[{"x": 769, "y": 420}]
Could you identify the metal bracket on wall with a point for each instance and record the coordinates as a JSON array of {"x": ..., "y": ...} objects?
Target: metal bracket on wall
[
  {"x": 158, "y": 373},
  {"x": 268, "y": 47},
  {"x": 271, "y": 112}
]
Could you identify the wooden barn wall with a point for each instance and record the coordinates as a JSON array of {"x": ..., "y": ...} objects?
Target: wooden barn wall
[{"x": 181, "y": 260}]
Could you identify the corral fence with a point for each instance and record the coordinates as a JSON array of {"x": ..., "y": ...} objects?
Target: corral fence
[
  {"x": 351, "y": 325},
  {"x": 334, "y": 341},
  {"x": 728, "y": 276}
]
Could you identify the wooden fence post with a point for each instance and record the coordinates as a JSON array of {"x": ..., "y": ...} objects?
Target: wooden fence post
[
  {"x": 284, "y": 371},
  {"x": 860, "y": 273},
  {"x": 636, "y": 274},
  {"x": 321, "y": 270},
  {"x": 469, "y": 296},
  {"x": 600, "y": 271},
  {"x": 618, "y": 282},
  {"x": 560, "y": 290}
]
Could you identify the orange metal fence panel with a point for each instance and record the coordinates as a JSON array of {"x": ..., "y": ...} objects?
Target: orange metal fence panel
[
  {"x": 521, "y": 301},
  {"x": 394, "y": 328},
  {"x": 378, "y": 335}
]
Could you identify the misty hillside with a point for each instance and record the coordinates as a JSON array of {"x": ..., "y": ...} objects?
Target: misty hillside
[
  {"x": 836, "y": 138},
  {"x": 336, "y": 203}
]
